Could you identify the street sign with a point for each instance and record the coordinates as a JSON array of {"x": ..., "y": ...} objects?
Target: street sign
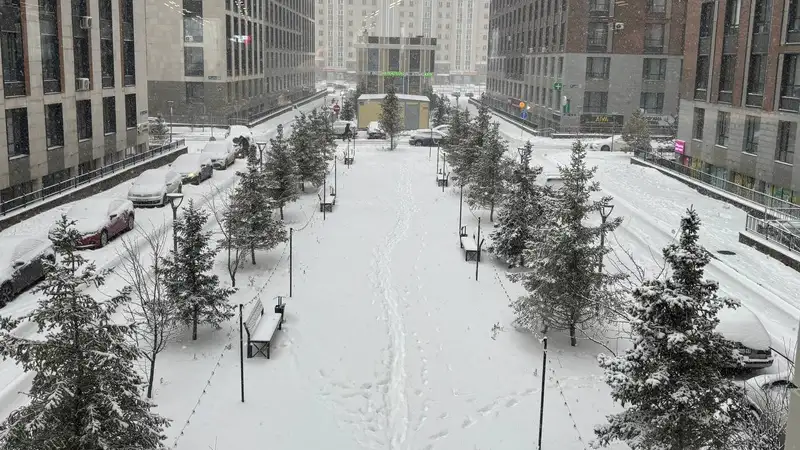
[
  {"x": 336, "y": 109},
  {"x": 524, "y": 115},
  {"x": 557, "y": 85},
  {"x": 521, "y": 105}
]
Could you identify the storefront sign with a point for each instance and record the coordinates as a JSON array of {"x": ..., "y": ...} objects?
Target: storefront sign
[{"x": 680, "y": 146}]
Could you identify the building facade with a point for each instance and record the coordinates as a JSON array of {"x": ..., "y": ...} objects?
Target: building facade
[
  {"x": 740, "y": 96},
  {"x": 586, "y": 66},
  {"x": 793, "y": 431},
  {"x": 459, "y": 26},
  {"x": 74, "y": 89},
  {"x": 407, "y": 63},
  {"x": 212, "y": 62}
]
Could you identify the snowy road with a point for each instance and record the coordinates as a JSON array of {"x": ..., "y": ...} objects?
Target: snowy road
[{"x": 652, "y": 204}]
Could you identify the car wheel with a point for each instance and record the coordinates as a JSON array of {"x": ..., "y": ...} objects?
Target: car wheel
[
  {"x": 131, "y": 223},
  {"x": 605, "y": 148},
  {"x": 103, "y": 238},
  {"x": 6, "y": 292}
]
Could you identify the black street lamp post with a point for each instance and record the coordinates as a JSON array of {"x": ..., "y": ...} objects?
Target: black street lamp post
[
  {"x": 605, "y": 212},
  {"x": 175, "y": 200}
]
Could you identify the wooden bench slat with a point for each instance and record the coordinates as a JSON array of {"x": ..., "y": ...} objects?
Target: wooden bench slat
[
  {"x": 469, "y": 244},
  {"x": 266, "y": 328}
]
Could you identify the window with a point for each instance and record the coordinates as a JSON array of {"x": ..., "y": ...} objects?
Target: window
[
  {"x": 652, "y": 102},
  {"x": 723, "y": 128},
  {"x": 109, "y": 115},
  {"x": 698, "y": 123},
  {"x": 128, "y": 54},
  {"x": 751, "y": 132},
  {"x": 793, "y": 24},
  {"x": 654, "y": 38},
  {"x": 17, "y": 132},
  {"x": 790, "y": 82},
  {"x": 51, "y": 57},
  {"x": 597, "y": 68},
  {"x": 598, "y": 36},
  {"x": 654, "y": 69},
  {"x": 394, "y": 59},
  {"x": 595, "y": 102},
  {"x": 193, "y": 20},
  {"x": 732, "y": 9},
  {"x": 54, "y": 125},
  {"x": 726, "y": 78},
  {"x": 414, "y": 61},
  {"x": 195, "y": 92},
  {"x": 193, "y": 61},
  {"x": 657, "y": 6},
  {"x": 784, "y": 151},
  {"x": 756, "y": 74},
  {"x": 598, "y": 7},
  {"x": 81, "y": 40},
  {"x": 130, "y": 111},
  {"x": 707, "y": 19},
  {"x": 12, "y": 46},
  {"x": 763, "y": 9},
  {"x": 701, "y": 78},
  {"x": 84, "y": 113}
]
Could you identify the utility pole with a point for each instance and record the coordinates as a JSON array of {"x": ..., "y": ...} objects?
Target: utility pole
[
  {"x": 541, "y": 402},
  {"x": 241, "y": 349},
  {"x": 291, "y": 232}
]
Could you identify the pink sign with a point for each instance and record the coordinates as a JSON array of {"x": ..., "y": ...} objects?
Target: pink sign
[{"x": 679, "y": 146}]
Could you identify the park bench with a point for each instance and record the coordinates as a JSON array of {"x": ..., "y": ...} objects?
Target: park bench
[
  {"x": 470, "y": 246},
  {"x": 442, "y": 179},
  {"x": 261, "y": 328},
  {"x": 326, "y": 205}
]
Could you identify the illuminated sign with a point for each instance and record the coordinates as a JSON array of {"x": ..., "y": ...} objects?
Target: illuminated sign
[
  {"x": 403, "y": 74},
  {"x": 242, "y": 39}
]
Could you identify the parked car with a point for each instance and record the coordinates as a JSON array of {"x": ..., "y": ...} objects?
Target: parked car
[
  {"x": 152, "y": 186},
  {"x": 235, "y": 134},
  {"x": 769, "y": 392},
  {"x": 607, "y": 144},
  {"x": 99, "y": 220},
  {"x": 374, "y": 131},
  {"x": 22, "y": 264},
  {"x": 748, "y": 335},
  {"x": 193, "y": 167},
  {"x": 425, "y": 137},
  {"x": 222, "y": 153},
  {"x": 444, "y": 130},
  {"x": 340, "y": 126}
]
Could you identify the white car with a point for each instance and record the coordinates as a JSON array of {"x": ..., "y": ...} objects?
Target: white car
[
  {"x": 769, "y": 392},
  {"x": 748, "y": 335},
  {"x": 443, "y": 129},
  {"x": 235, "y": 133},
  {"x": 22, "y": 264},
  {"x": 374, "y": 131},
  {"x": 614, "y": 143},
  {"x": 99, "y": 219},
  {"x": 425, "y": 137},
  {"x": 193, "y": 167},
  {"x": 152, "y": 186},
  {"x": 340, "y": 125},
  {"x": 222, "y": 153}
]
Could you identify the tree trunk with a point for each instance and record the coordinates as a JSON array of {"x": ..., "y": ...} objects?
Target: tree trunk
[
  {"x": 152, "y": 374},
  {"x": 253, "y": 253},
  {"x": 281, "y": 212},
  {"x": 391, "y": 142},
  {"x": 195, "y": 318},
  {"x": 573, "y": 339},
  {"x": 491, "y": 211}
]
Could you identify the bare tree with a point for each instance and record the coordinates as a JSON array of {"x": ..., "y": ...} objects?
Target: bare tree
[
  {"x": 151, "y": 312},
  {"x": 219, "y": 203}
]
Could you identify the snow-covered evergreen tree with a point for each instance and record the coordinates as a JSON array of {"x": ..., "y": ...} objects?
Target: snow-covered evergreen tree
[
  {"x": 86, "y": 392},
  {"x": 250, "y": 217},
  {"x": 454, "y": 144},
  {"x": 565, "y": 289},
  {"x": 670, "y": 384},
  {"x": 441, "y": 114},
  {"x": 636, "y": 133},
  {"x": 304, "y": 152},
  {"x": 158, "y": 130},
  {"x": 489, "y": 172},
  {"x": 324, "y": 138},
  {"x": 188, "y": 274},
  {"x": 390, "y": 118},
  {"x": 281, "y": 171},
  {"x": 471, "y": 147},
  {"x": 348, "y": 111},
  {"x": 519, "y": 210}
]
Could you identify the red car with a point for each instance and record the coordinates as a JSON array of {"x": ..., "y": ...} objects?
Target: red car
[{"x": 100, "y": 219}]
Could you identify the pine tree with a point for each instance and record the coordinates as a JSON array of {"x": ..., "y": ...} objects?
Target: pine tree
[
  {"x": 188, "y": 274},
  {"x": 282, "y": 172},
  {"x": 454, "y": 144},
  {"x": 469, "y": 151},
  {"x": 159, "y": 129},
  {"x": 86, "y": 392},
  {"x": 249, "y": 217},
  {"x": 390, "y": 115},
  {"x": 520, "y": 209},
  {"x": 324, "y": 139},
  {"x": 433, "y": 99},
  {"x": 670, "y": 384},
  {"x": 303, "y": 151},
  {"x": 488, "y": 172},
  {"x": 565, "y": 289},
  {"x": 441, "y": 114},
  {"x": 636, "y": 133},
  {"x": 348, "y": 111}
]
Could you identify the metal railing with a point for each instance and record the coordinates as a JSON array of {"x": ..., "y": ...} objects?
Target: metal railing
[
  {"x": 774, "y": 231},
  {"x": 74, "y": 182},
  {"x": 774, "y": 204}
]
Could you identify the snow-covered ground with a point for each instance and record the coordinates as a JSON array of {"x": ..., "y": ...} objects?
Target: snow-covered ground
[
  {"x": 389, "y": 339},
  {"x": 12, "y": 379},
  {"x": 652, "y": 204}
]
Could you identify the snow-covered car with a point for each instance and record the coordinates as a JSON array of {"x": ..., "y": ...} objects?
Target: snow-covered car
[
  {"x": 374, "y": 131},
  {"x": 193, "y": 167},
  {"x": 425, "y": 137},
  {"x": 99, "y": 219},
  {"x": 614, "y": 143},
  {"x": 748, "y": 335},
  {"x": 152, "y": 186},
  {"x": 222, "y": 153},
  {"x": 444, "y": 130},
  {"x": 769, "y": 392},
  {"x": 22, "y": 264},
  {"x": 340, "y": 126},
  {"x": 237, "y": 133},
  {"x": 331, "y": 90}
]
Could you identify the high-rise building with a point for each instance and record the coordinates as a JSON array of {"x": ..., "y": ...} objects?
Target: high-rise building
[
  {"x": 459, "y": 26},
  {"x": 74, "y": 89},
  {"x": 215, "y": 61},
  {"x": 740, "y": 96},
  {"x": 586, "y": 65},
  {"x": 407, "y": 63}
]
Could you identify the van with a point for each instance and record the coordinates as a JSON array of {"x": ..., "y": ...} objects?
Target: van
[{"x": 374, "y": 131}]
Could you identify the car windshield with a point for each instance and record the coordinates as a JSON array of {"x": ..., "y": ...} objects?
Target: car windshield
[
  {"x": 150, "y": 177},
  {"x": 186, "y": 163},
  {"x": 216, "y": 147},
  {"x": 94, "y": 209}
]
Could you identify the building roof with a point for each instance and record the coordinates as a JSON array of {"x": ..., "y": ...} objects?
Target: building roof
[{"x": 419, "y": 98}]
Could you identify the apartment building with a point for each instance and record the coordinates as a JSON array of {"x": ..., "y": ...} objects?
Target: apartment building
[
  {"x": 740, "y": 96},
  {"x": 210, "y": 62},
  {"x": 74, "y": 89},
  {"x": 459, "y": 26},
  {"x": 406, "y": 63},
  {"x": 586, "y": 66}
]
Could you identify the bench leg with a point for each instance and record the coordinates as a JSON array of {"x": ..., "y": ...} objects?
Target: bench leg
[
  {"x": 268, "y": 347},
  {"x": 249, "y": 350},
  {"x": 280, "y": 324}
]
